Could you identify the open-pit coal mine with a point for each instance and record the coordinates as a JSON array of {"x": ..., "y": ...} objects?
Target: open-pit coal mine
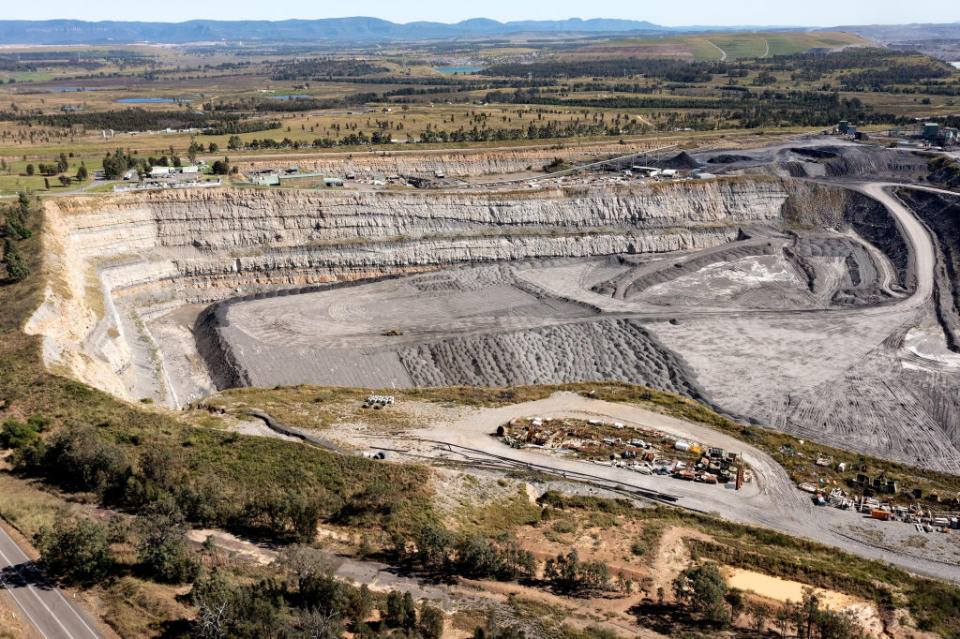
[{"x": 794, "y": 290}]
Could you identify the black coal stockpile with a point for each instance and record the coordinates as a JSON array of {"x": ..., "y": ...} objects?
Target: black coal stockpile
[
  {"x": 728, "y": 158},
  {"x": 680, "y": 161}
]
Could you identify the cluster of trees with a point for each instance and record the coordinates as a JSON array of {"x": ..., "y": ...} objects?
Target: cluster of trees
[
  {"x": 815, "y": 622},
  {"x": 821, "y": 63},
  {"x": 351, "y": 139},
  {"x": 546, "y": 130},
  {"x": 75, "y": 550},
  {"x": 136, "y": 119},
  {"x": 543, "y": 131},
  {"x": 319, "y": 69},
  {"x": 747, "y": 108},
  {"x": 571, "y": 576},
  {"x": 619, "y": 87},
  {"x": 162, "y": 550},
  {"x": 310, "y": 603},
  {"x": 14, "y": 227},
  {"x": 117, "y": 163},
  {"x": 704, "y": 589},
  {"x": 163, "y": 160},
  {"x": 534, "y": 96},
  {"x": 60, "y": 166},
  {"x": 705, "y": 592},
  {"x": 80, "y": 551},
  {"x": 442, "y": 552},
  {"x": 808, "y": 108},
  {"x": 880, "y": 79},
  {"x": 89, "y": 60},
  {"x": 230, "y": 127},
  {"x": 16, "y": 63},
  {"x": 666, "y": 68},
  {"x": 77, "y": 458},
  {"x": 222, "y": 167},
  {"x": 309, "y": 104}
]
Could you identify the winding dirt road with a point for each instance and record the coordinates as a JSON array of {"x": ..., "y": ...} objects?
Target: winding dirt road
[{"x": 772, "y": 501}]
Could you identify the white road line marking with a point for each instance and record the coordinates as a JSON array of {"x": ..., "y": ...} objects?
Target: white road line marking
[
  {"x": 32, "y": 590},
  {"x": 24, "y": 610},
  {"x": 76, "y": 612}
]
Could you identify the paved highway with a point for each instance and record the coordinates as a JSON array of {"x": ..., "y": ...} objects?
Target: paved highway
[{"x": 42, "y": 603}]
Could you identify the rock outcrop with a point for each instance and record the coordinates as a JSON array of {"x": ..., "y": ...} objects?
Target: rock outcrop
[{"x": 467, "y": 162}]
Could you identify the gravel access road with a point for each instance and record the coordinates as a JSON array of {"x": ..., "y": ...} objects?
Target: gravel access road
[{"x": 772, "y": 501}]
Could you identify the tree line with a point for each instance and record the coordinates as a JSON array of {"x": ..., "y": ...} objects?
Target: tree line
[
  {"x": 14, "y": 228},
  {"x": 669, "y": 69},
  {"x": 319, "y": 69}
]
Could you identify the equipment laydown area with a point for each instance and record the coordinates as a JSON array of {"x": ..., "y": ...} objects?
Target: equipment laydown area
[{"x": 465, "y": 436}]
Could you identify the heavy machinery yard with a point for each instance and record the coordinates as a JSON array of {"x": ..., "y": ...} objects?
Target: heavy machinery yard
[{"x": 468, "y": 438}]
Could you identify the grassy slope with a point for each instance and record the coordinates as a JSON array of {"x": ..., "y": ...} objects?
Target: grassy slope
[
  {"x": 308, "y": 406},
  {"x": 243, "y": 466},
  {"x": 737, "y": 45}
]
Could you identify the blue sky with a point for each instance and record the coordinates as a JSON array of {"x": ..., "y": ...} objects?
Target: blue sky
[{"x": 686, "y": 12}]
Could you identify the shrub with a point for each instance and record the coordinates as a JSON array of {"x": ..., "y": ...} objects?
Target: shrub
[
  {"x": 75, "y": 550},
  {"x": 16, "y": 434},
  {"x": 705, "y": 590},
  {"x": 568, "y": 575},
  {"x": 161, "y": 543}
]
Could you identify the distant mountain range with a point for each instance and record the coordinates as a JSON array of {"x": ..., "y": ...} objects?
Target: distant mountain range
[
  {"x": 907, "y": 32},
  {"x": 373, "y": 30},
  {"x": 358, "y": 30}
]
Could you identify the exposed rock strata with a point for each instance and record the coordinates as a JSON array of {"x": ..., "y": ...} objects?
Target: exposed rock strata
[
  {"x": 125, "y": 260},
  {"x": 453, "y": 163}
]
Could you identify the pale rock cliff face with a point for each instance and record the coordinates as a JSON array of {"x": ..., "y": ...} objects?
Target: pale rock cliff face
[
  {"x": 454, "y": 163},
  {"x": 118, "y": 263}
]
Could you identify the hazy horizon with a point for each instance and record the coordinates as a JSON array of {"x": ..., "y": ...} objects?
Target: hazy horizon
[{"x": 813, "y": 13}]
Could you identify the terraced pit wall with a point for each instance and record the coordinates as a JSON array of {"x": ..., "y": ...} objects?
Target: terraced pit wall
[
  {"x": 814, "y": 205},
  {"x": 466, "y": 163},
  {"x": 941, "y": 214},
  {"x": 117, "y": 263}
]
